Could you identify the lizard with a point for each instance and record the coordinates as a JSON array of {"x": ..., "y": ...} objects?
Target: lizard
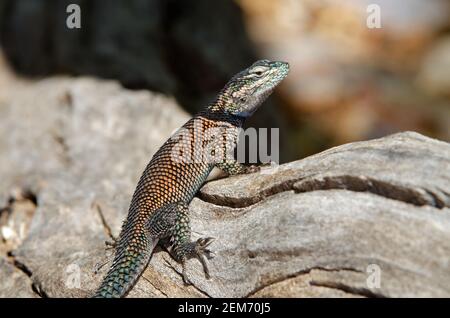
[{"x": 159, "y": 208}]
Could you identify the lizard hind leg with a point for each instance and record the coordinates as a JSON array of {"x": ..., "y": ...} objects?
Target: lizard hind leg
[
  {"x": 109, "y": 245},
  {"x": 182, "y": 246},
  {"x": 133, "y": 250}
]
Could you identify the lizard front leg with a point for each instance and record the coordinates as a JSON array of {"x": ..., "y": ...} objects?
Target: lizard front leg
[{"x": 233, "y": 167}]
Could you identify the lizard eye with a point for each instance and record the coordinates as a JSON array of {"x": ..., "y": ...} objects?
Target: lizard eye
[{"x": 258, "y": 71}]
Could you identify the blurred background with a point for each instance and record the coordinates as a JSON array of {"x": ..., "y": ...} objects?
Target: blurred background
[{"x": 348, "y": 82}]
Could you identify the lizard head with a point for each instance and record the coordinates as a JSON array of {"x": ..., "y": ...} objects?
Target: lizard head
[{"x": 248, "y": 89}]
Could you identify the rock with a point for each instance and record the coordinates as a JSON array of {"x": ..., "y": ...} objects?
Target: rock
[
  {"x": 367, "y": 219},
  {"x": 15, "y": 283}
]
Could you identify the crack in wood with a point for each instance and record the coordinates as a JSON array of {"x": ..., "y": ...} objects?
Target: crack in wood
[
  {"x": 168, "y": 264},
  {"x": 365, "y": 292},
  {"x": 345, "y": 182},
  {"x": 298, "y": 274},
  {"x": 154, "y": 286}
]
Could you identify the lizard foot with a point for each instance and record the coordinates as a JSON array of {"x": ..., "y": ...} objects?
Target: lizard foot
[
  {"x": 258, "y": 167},
  {"x": 252, "y": 169},
  {"x": 111, "y": 244},
  {"x": 199, "y": 250},
  {"x": 99, "y": 266}
]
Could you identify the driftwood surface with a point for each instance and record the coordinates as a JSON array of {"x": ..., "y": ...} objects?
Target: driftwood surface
[{"x": 366, "y": 219}]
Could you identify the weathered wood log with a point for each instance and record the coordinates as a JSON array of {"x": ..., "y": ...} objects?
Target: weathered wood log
[{"x": 368, "y": 219}]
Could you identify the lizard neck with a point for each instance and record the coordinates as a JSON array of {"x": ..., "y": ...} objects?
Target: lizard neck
[{"x": 217, "y": 111}]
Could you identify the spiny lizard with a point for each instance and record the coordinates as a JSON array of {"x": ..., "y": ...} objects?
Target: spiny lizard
[{"x": 159, "y": 207}]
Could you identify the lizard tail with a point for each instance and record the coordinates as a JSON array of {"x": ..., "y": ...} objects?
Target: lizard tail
[{"x": 129, "y": 263}]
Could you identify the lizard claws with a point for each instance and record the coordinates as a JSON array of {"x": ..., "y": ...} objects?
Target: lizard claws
[
  {"x": 202, "y": 253},
  {"x": 99, "y": 266},
  {"x": 252, "y": 169},
  {"x": 186, "y": 279}
]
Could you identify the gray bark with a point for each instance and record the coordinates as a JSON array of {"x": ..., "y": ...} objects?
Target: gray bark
[{"x": 316, "y": 227}]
